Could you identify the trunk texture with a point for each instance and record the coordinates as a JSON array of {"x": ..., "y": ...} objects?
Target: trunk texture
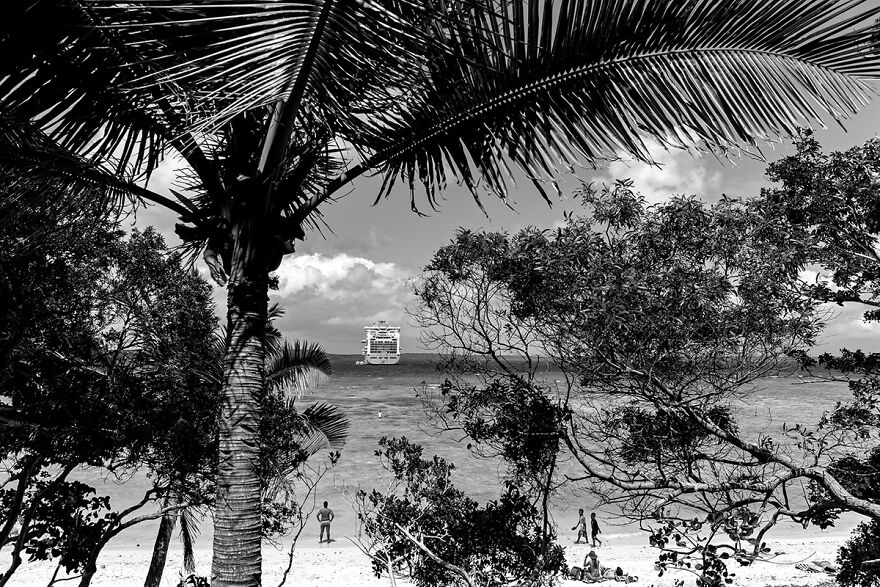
[
  {"x": 160, "y": 549},
  {"x": 237, "y": 528}
]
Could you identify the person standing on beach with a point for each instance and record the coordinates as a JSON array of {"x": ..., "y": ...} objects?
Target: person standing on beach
[
  {"x": 581, "y": 527},
  {"x": 325, "y": 516},
  {"x": 594, "y": 523}
]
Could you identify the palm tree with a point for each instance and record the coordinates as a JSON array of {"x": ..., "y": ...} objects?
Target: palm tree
[
  {"x": 292, "y": 371},
  {"x": 274, "y": 105}
]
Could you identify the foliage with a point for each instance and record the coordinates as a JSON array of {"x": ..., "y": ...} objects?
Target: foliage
[
  {"x": 863, "y": 545},
  {"x": 256, "y": 98},
  {"x": 498, "y": 542},
  {"x": 67, "y": 526},
  {"x": 103, "y": 350},
  {"x": 288, "y": 438},
  {"x": 658, "y": 320},
  {"x": 665, "y": 437},
  {"x": 830, "y": 202},
  {"x": 423, "y": 92},
  {"x": 514, "y": 417}
]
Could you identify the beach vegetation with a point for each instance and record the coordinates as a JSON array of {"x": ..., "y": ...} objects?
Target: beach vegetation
[
  {"x": 103, "y": 341},
  {"x": 425, "y": 529},
  {"x": 289, "y": 436},
  {"x": 111, "y": 363},
  {"x": 271, "y": 109},
  {"x": 830, "y": 203},
  {"x": 645, "y": 327},
  {"x": 859, "y": 558}
]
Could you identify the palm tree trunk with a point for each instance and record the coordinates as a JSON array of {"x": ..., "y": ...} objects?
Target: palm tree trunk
[
  {"x": 237, "y": 528},
  {"x": 160, "y": 548}
]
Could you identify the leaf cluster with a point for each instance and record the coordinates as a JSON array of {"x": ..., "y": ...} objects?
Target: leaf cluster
[
  {"x": 516, "y": 418},
  {"x": 863, "y": 546},
  {"x": 67, "y": 526},
  {"x": 666, "y": 438},
  {"x": 830, "y": 203},
  {"x": 103, "y": 366},
  {"x": 498, "y": 542}
]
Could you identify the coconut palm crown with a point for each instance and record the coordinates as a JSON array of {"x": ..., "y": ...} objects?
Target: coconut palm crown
[{"x": 275, "y": 105}]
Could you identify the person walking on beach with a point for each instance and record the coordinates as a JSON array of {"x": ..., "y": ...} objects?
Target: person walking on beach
[
  {"x": 325, "y": 516},
  {"x": 581, "y": 527},
  {"x": 594, "y": 523}
]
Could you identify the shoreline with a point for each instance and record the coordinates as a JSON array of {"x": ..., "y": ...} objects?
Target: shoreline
[{"x": 342, "y": 563}]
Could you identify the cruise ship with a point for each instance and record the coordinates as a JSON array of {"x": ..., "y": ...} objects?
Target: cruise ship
[{"x": 381, "y": 345}]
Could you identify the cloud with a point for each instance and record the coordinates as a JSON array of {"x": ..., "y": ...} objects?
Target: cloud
[
  {"x": 847, "y": 329},
  {"x": 329, "y": 299},
  {"x": 676, "y": 172},
  {"x": 336, "y": 277}
]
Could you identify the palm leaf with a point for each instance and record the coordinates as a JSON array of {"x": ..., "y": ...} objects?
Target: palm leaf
[
  {"x": 543, "y": 85},
  {"x": 41, "y": 176},
  {"x": 238, "y": 56},
  {"x": 324, "y": 426},
  {"x": 72, "y": 78},
  {"x": 295, "y": 368},
  {"x": 320, "y": 426},
  {"x": 189, "y": 531},
  {"x": 273, "y": 339}
]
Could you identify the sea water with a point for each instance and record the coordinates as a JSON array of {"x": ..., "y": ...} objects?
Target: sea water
[{"x": 386, "y": 401}]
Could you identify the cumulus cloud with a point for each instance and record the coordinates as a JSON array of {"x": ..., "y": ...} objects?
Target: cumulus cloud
[
  {"x": 336, "y": 277},
  {"x": 329, "y": 299},
  {"x": 676, "y": 172}
]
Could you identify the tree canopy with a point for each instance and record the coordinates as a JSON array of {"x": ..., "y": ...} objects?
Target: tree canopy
[
  {"x": 276, "y": 106},
  {"x": 661, "y": 318}
]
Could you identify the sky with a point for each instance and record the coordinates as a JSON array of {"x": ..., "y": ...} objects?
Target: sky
[{"x": 335, "y": 284}]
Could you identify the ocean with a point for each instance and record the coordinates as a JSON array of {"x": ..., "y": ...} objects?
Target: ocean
[{"x": 363, "y": 392}]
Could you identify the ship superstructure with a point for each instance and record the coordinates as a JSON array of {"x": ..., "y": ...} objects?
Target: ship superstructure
[{"x": 381, "y": 344}]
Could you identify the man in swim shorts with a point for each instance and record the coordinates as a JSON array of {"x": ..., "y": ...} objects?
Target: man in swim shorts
[{"x": 325, "y": 516}]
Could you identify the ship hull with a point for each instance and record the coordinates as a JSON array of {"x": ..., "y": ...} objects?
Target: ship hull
[{"x": 381, "y": 360}]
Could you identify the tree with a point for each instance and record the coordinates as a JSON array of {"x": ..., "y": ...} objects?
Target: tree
[
  {"x": 110, "y": 362},
  {"x": 829, "y": 203},
  {"x": 101, "y": 356},
  {"x": 659, "y": 318},
  {"x": 425, "y": 528},
  {"x": 268, "y": 103},
  {"x": 287, "y": 438},
  {"x": 864, "y": 546}
]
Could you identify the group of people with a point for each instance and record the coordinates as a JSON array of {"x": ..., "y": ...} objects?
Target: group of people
[
  {"x": 581, "y": 528},
  {"x": 594, "y": 571}
]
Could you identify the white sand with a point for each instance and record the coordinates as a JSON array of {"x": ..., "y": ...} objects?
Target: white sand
[{"x": 341, "y": 564}]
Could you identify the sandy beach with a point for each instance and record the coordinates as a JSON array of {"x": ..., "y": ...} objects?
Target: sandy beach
[{"x": 342, "y": 564}]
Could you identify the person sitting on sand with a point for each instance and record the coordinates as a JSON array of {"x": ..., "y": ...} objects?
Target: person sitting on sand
[
  {"x": 325, "y": 516},
  {"x": 594, "y": 570}
]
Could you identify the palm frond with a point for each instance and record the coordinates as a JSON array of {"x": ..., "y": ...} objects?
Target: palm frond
[
  {"x": 39, "y": 176},
  {"x": 542, "y": 86},
  {"x": 297, "y": 367},
  {"x": 189, "y": 531},
  {"x": 72, "y": 77},
  {"x": 274, "y": 339},
  {"x": 238, "y": 56},
  {"x": 324, "y": 426}
]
